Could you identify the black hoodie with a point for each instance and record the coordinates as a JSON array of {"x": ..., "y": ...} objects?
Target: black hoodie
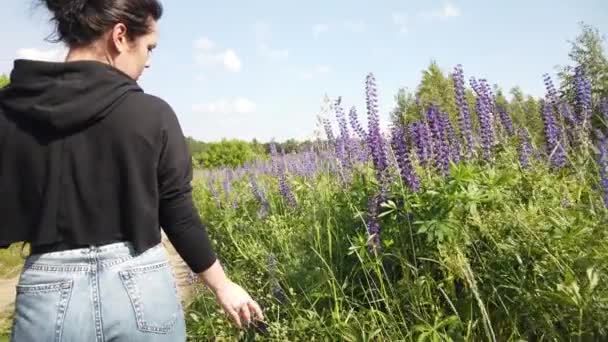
[{"x": 87, "y": 158}]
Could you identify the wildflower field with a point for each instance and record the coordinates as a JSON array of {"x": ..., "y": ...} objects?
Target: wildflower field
[{"x": 465, "y": 227}]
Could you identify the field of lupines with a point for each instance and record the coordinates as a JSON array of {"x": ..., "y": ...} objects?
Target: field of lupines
[{"x": 441, "y": 230}]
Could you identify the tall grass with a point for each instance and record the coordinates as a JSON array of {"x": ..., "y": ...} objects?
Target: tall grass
[
  {"x": 490, "y": 252},
  {"x": 11, "y": 260}
]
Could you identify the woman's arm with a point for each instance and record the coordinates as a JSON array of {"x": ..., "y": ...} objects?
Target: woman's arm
[{"x": 182, "y": 224}]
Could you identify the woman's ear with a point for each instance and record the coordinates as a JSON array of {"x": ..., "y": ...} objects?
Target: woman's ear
[{"x": 119, "y": 37}]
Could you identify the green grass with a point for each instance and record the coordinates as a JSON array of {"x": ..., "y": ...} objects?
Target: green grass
[
  {"x": 11, "y": 260},
  {"x": 487, "y": 253}
]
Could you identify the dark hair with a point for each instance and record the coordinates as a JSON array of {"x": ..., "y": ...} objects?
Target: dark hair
[{"x": 80, "y": 22}]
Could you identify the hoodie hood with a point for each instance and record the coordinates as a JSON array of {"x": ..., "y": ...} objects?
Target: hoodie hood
[{"x": 64, "y": 96}]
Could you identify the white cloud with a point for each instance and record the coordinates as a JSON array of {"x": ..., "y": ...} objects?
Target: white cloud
[
  {"x": 318, "y": 29},
  {"x": 448, "y": 10},
  {"x": 262, "y": 37},
  {"x": 206, "y": 55},
  {"x": 204, "y": 44},
  {"x": 273, "y": 54},
  {"x": 400, "y": 20},
  {"x": 356, "y": 26},
  {"x": 240, "y": 105},
  {"x": 314, "y": 72},
  {"x": 227, "y": 60},
  {"x": 51, "y": 55}
]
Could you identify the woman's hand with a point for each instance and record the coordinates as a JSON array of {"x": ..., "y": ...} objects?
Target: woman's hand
[{"x": 237, "y": 303}]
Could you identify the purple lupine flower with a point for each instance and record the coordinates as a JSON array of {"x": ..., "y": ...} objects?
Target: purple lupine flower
[
  {"x": 566, "y": 111},
  {"x": 475, "y": 85},
  {"x": 259, "y": 195},
  {"x": 553, "y": 99},
  {"x": 310, "y": 164},
  {"x": 524, "y": 148},
  {"x": 440, "y": 148},
  {"x": 490, "y": 98},
  {"x": 603, "y": 164},
  {"x": 485, "y": 117},
  {"x": 599, "y": 135},
  {"x": 328, "y": 131},
  {"x": 278, "y": 169},
  {"x": 341, "y": 117},
  {"x": 374, "y": 138},
  {"x": 361, "y": 151},
  {"x": 355, "y": 124},
  {"x": 373, "y": 224},
  {"x": 464, "y": 115},
  {"x": 555, "y": 150},
  {"x": 421, "y": 137},
  {"x": 277, "y": 291},
  {"x": 228, "y": 179},
  {"x": 408, "y": 175},
  {"x": 583, "y": 94},
  {"x": 344, "y": 149},
  {"x": 341, "y": 152},
  {"x": 214, "y": 192},
  {"x": 276, "y": 160},
  {"x": 227, "y": 182},
  {"x": 604, "y": 109},
  {"x": 285, "y": 190},
  {"x": 505, "y": 120},
  {"x": 452, "y": 140},
  {"x": 490, "y": 102}
]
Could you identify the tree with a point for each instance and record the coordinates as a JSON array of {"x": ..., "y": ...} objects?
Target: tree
[
  {"x": 407, "y": 109},
  {"x": 436, "y": 88},
  {"x": 227, "y": 153},
  {"x": 586, "y": 51},
  {"x": 195, "y": 146}
]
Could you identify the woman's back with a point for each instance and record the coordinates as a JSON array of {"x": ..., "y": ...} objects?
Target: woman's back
[
  {"x": 89, "y": 156},
  {"x": 91, "y": 168}
]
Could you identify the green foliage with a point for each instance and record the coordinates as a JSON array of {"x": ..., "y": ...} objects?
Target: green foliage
[
  {"x": 11, "y": 260},
  {"x": 195, "y": 146},
  {"x": 587, "y": 51},
  {"x": 227, "y": 153},
  {"x": 4, "y": 81},
  {"x": 436, "y": 88},
  {"x": 289, "y": 146},
  {"x": 407, "y": 110},
  {"x": 234, "y": 152}
]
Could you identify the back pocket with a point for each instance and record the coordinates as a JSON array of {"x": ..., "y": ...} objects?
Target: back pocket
[
  {"x": 153, "y": 294},
  {"x": 40, "y": 310}
]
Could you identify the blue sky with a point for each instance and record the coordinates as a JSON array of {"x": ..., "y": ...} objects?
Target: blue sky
[{"x": 245, "y": 69}]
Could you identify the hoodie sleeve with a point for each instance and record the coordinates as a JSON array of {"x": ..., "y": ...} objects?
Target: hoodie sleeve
[{"x": 177, "y": 214}]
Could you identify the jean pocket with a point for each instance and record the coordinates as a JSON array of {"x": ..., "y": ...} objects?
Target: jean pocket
[
  {"x": 153, "y": 294},
  {"x": 41, "y": 308}
]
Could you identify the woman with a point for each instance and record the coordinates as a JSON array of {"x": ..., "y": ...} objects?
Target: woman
[{"x": 90, "y": 168}]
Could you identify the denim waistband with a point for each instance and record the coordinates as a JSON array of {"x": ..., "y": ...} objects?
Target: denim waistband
[
  {"x": 63, "y": 246},
  {"x": 80, "y": 259}
]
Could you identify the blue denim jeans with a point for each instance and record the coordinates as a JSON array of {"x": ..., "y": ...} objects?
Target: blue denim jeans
[{"x": 104, "y": 293}]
